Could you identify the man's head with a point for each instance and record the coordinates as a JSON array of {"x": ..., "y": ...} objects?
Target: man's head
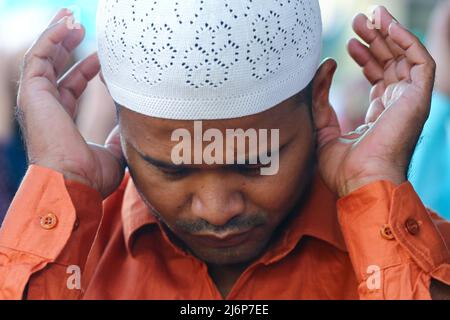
[
  {"x": 201, "y": 202},
  {"x": 224, "y": 213}
]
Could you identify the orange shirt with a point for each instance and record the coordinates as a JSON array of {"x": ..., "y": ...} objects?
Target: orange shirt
[{"x": 61, "y": 241}]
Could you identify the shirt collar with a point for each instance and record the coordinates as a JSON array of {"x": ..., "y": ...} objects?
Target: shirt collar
[
  {"x": 135, "y": 213},
  {"x": 317, "y": 218}
]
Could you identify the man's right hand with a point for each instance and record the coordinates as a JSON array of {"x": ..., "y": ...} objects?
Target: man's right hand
[{"x": 47, "y": 107}]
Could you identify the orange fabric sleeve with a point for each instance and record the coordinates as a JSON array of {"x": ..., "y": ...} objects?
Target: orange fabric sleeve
[
  {"x": 50, "y": 226},
  {"x": 395, "y": 244}
]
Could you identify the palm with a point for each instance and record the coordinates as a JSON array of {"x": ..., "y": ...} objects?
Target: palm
[
  {"x": 94, "y": 163},
  {"x": 49, "y": 106},
  {"x": 399, "y": 104}
]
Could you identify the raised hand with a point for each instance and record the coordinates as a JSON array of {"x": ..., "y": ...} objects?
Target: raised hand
[
  {"x": 47, "y": 106},
  {"x": 402, "y": 74}
]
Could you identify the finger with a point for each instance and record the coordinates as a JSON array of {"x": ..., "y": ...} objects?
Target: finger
[
  {"x": 65, "y": 50},
  {"x": 59, "y": 15},
  {"x": 414, "y": 50},
  {"x": 390, "y": 73},
  {"x": 40, "y": 67},
  {"x": 364, "y": 58},
  {"x": 73, "y": 84},
  {"x": 403, "y": 69},
  {"x": 395, "y": 49},
  {"x": 422, "y": 72},
  {"x": 46, "y": 48},
  {"x": 376, "y": 108},
  {"x": 377, "y": 43},
  {"x": 74, "y": 38},
  {"x": 382, "y": 19},
  {"x": 377, "y": 91}
]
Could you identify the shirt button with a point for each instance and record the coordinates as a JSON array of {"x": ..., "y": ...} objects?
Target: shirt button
[
  {"x": 412, "y": 226},
  {"x": 49, "y": 221},
  {"x": 386, "y": 232}
]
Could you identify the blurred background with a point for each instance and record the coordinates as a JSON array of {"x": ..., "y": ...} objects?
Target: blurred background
[{"x": 21, "y": 21}]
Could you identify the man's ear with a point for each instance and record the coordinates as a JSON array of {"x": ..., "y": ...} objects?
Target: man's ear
[{"x": 321, "y": 87}]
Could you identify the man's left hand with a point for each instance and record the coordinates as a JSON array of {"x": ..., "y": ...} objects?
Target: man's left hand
[{"x": 402, "y": 74}]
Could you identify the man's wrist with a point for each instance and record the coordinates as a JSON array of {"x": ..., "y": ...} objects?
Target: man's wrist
[
  {"x": 353, "y": 185},
  {"x": 68, "y": 176},
  {"x": 78, "y": 179}
]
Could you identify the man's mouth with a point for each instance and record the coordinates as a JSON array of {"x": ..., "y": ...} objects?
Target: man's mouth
[{"x": 225, "y": 240}]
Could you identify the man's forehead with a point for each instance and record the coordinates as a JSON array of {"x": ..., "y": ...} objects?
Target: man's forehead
[
  {"x": 152, "y": 137},
  {"x": 279, "y": 117}
]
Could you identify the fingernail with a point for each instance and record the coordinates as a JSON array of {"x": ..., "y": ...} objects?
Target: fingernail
[
  {"x": 72, "y": 24},
  {"x": 62, "y": 20},
  {"x": 393, "y": 23}
]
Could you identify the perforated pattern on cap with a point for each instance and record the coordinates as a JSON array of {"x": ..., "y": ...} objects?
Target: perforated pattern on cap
[{"x": 207, "y": 59}]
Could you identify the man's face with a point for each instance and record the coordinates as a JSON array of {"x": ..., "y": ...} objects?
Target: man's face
[{"x": 224, "y": 214}]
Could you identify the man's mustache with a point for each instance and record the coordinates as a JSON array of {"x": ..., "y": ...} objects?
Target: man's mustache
[{"x": 236, "y": 224}]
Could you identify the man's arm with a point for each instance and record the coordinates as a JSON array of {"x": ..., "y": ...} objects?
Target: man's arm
[
  {"x": 399, "y": 249},
  {"x": 393, "y": 242},
  {"x": 40, "y": 239},
  {"x": 46, "y": 237}
]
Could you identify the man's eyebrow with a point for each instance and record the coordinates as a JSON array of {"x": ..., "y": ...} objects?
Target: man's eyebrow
[
  {"x": 155, "y": 162},
  {"x": 160, "y": 163},
  {"x": 171, "y": 166}
]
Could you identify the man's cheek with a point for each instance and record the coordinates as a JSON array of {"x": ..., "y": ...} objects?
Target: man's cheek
[
  {"x": 279, "y": 193},
  {"x": 272, "y": 195},
  {"x": 170, "y": 204}
]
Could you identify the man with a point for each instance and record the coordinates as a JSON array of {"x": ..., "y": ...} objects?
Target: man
[{"x": 204, "y": 230}]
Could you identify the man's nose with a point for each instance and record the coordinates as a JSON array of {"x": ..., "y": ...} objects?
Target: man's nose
[{"x": 216, "y": 201}]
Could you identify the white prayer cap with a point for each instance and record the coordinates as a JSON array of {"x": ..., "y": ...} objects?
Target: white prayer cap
[{"x": 207, "y": 59}]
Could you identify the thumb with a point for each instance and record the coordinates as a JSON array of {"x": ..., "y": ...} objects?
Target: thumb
[{"x": 325, "y": 118}]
